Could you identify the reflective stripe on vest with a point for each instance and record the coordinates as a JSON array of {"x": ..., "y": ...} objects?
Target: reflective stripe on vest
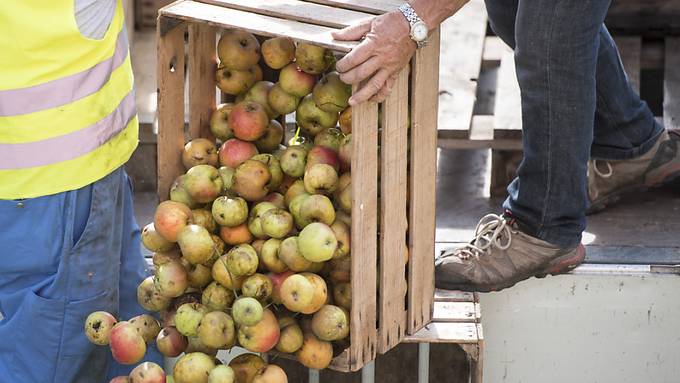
[{"x": 67, "y": 102}]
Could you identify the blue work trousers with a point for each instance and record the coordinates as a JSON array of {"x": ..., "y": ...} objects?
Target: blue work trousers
[
  {"x": 64, "y": 256},
  {"x": 577, "y": 102}
]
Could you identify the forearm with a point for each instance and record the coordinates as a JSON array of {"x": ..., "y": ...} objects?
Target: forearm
[{"x": 434, "y": 12}]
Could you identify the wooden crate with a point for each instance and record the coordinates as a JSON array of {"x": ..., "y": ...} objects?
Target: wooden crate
[
  {"x": 468, "y": 51},
  {"x": 381, "y": 227}
]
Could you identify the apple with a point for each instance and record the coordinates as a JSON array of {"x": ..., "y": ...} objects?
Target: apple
[
  {"x": 315, "y": 353},
  {"x": 345, "y": 153},
  {"x": 297, "y": 188},
  {"x": 219, "y": 248},
  {"x": 291, "y": 338},
  {"x": 259, "y": 93},
  {"x": 262, "y": 336},
  {"x": 179, "y": 193},
  {"x": 269, "y": 256},
  {"x": 236, "y": 235},
  {"x": 280, "y": 101},
  {"x": 322, "y": 155},
  {"x": 247, "y": 311},
  {"x": 195, "y": 345},
  {"x": 196, "y": 244},
  {"x": 222, "y": 374},
  {"x": 331, "y": 94},
  {"x": 345, "y": 120},
  {"x": 343, "y": 193},
  {"x": 255, "y": 218},
  {"x": 203, "y": 182},
  {"x": 330, "y": 323},
  {"x": 258, "y": 286},
  {"x": 216, "y": 297},
  {"x": 251, "y": 179},
  {"x": 170, "y": 279},
  {"x": 223, "y": 277},
  {"x": 297, "y": 292},
  {"x": 276, "y": 198},
  {"x": 217, "y": 330},
  {"x": 290, "y": 255},
  {"x": 277, "y": 223},
  {"x": 343, "y": 236},
  {"x": 153, "y": 241},
  {"x": 295, "y": 206},
  {"x": 121, "y": 379},
  {"x": 147, "y": 326},
  {"x": 277, "y": 280},
  {"x": 274, "y": 167},
  {"x": 202, "y": 217},
  {"x": 312, "y": 119},
  {"x": 320, "y": 179},
  {"x": 198, "y": 275},
  {"x": 98, "y": 327},
  {"x": 317, "y": 242},
  {"x": 230, "y": 211},
  {"x": 342, "y": 295},
  {"x": 271, "y": 374},
  {"x": 320, "y": 296},
  {"x": 193, "y": 367},
  {"x": 331, "y": 138},
  {"x": 340, "y": 269},
  {"x": 234, "y": 152},
  {"x": 188, "y": 318},
  {"x": 314, "y": 208},
  {"x": 147, "y": 372},
  {"x": 227, "y": 175},
  {"x": 313, "y": 59},
  {"x": 219, "y": 122},
  {"x": 238, "y": 49},
  {"x": 295, "y": 82},
  {"x": 170, "y": 218},
  {"x": 247, "y": 366},
  {"x": 273, "y": 135},
  {"x": 278, "y": 52},
  {"x": 344, "y": 217},
  {"x": 293, "y": 161},
  {"x": 150, "y": 298},
  {"x": 199, "y": 151},
  {"x": 234, "y": 81},
  {"x": 170, "y": 342},
  {"x": 248, "y": 120},
  {"x": 242, "y": 260},
  {"x": 127, "y": 346}
]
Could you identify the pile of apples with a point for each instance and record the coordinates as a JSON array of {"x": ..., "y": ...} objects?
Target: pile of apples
[{"x": 253, "y": 247}]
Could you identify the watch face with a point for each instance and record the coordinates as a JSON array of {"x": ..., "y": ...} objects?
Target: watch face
[{"x": 420, "y": 31}]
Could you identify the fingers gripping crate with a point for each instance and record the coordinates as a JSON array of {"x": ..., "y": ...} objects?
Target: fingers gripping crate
[{"x": 389, "y": 222}]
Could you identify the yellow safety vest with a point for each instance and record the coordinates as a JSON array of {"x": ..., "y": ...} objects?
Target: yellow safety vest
[{"x": 67, "y": 103}]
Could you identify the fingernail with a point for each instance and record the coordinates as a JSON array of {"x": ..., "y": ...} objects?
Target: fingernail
[{"x": 352, "y": 102}]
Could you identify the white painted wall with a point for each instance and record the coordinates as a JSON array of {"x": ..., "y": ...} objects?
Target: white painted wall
[{"x": 584, "y": 327}]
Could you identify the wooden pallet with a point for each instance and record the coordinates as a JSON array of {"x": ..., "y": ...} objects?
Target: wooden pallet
[
  {"x": 469, "y": 51},
  {"x": 379, "y": 232},
  {"x": 457, "y": 320}
]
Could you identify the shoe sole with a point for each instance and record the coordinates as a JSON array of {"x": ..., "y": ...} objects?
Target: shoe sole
[
  {"x": 669, "y": 175},
  {"x": 557, "y": 266}
]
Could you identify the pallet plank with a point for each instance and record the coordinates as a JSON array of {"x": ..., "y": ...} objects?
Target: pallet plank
[
  {"x": 671, "y": 86},
  {"x": 508, "y": 108},
  {"x": 454, "y": 312},
  {"x": 170, "y": 75},
  {"x": 393, "y": 221},
  {"x": 423, "y": 168},
  {"x": 462, "y": 47},
  {"x": 494, "y": 48},
  {"x": 376, "y": 7},
  {"x": 259, "y": 24},
  {"x": 202, "y": 66},
  {"x": 630, "y": 51},
  {"x": 363, "y": 331},
  {"x": 437, "y": 332},
  {"x": 296, "y": 10}
]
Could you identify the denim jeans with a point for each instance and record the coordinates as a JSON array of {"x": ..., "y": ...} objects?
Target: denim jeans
[
  {"x": 576, "y": 103},
  {"x": 63, "y": 257}
]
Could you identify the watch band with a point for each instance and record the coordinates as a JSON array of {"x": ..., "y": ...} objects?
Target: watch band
[{"x": 413, "y": 19}]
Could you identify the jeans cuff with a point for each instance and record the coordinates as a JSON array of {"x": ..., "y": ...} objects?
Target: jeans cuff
[{"x": 610, "y": 153}]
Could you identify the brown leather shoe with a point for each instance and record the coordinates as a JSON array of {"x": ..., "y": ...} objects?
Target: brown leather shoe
[
  {"x": 608, "y": 180},
  {"x": 500, "y": 256}
]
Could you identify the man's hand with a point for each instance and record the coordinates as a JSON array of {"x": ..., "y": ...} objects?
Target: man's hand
[{"x": 385, "y": 50}]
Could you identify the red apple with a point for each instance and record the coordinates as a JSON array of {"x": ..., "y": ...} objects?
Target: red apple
[
  {"x": 248, "y": 120},
  {"x": 127, "y": 346},
  {"x": 234, "y": 152}
]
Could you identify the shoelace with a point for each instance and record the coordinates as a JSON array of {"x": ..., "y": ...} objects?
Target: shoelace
[{"x": 488, "y": 233}]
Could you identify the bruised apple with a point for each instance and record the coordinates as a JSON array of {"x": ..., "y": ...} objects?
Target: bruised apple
[
  {"x": 170, "y": 218},
  {"x": 199, "y": 151}
]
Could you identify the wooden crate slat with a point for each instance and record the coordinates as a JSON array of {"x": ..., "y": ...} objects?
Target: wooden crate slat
[
  {"x": 363, "y": 331},
  {"x": 508, "y": 108},
  {"x": 671, "y": 86},
  {"x": 462, "y": 48},
  {"x": 453, "y": 296},
  {"x": 437, "y": 332},
  {"x": 455, "y": 312},
  {"x": 296, "y": 10},
  {"x": 423, "y": 168},
  {"x": 393, "y": 220},
  {"x": 481, "y": 128},
  {"x": 258, "y": 24},
  {"x": 202, "y": 66},
  {"x": 375, "y": 7},
  {"x": 629, "y": 50},
  {"x": 170, "y": 75}
]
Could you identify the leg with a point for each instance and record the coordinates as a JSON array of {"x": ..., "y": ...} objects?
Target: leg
[{"x": 556, "y": 58}]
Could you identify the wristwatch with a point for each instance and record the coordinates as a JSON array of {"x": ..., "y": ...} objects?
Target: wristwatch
[{"x": 419, "y": 29}]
